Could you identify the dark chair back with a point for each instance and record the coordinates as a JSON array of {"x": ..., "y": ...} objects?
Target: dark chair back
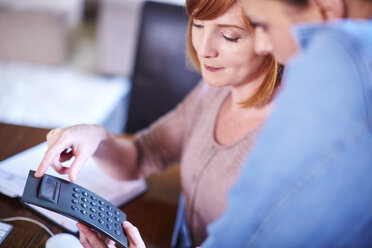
[{"x": 160, "y": 78}]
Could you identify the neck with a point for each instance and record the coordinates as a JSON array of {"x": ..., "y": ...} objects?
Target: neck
[
  {"x": 241, "y": 93},
  {"x": 358, "y": 9}
]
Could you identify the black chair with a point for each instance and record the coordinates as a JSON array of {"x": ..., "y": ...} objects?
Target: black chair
[{"x": 160, "y": 78}]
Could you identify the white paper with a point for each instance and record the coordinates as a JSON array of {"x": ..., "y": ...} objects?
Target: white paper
[{"x": 14, "y": 172}]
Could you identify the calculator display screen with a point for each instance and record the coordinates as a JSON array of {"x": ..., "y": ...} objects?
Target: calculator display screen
[{"x": 50, "y": 189}]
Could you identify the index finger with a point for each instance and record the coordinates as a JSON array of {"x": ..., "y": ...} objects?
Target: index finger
[{"x": 50, "y": 155}]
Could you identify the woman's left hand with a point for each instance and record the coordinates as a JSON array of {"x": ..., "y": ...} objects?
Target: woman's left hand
[{"x": 92, "y": 239}]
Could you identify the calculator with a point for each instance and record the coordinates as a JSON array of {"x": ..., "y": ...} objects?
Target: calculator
[
  {"x": 5, "y": 229},
  {"x": 76, "y": 202}
]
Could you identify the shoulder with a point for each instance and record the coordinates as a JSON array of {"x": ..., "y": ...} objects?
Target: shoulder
[
  {"x": 348, "y": 39},
  {"x": 333, "y": 71},
  {"x": 333, "y": 50}
]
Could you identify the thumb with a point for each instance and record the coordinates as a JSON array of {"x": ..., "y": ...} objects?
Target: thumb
[{"x": 133, "y": 235}]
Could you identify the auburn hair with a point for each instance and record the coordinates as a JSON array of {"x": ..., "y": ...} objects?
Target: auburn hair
[{"x": 211, "y": 9}]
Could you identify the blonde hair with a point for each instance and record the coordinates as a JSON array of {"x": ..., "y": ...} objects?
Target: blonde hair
[{"x": 211, "y": 9}]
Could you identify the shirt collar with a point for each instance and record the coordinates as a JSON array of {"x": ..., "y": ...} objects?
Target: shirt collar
[{"x": 303, "y": 33}]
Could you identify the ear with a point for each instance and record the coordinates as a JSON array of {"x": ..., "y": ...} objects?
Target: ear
[{"x": 330, "y": 9}]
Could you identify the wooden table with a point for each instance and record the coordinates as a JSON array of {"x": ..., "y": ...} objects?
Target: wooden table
[{"x": 153, "y": 212}]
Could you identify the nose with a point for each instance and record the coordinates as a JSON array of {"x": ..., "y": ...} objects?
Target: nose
[
  {"x": 262, "y": 44},
  {"x": 208, "y": 46}
]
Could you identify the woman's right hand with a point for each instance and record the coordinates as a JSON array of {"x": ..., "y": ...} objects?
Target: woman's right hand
[{"x": 80, "y": 142}]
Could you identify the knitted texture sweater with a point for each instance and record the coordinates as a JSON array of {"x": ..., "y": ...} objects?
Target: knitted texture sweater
[{"x": 185, "y": 135}]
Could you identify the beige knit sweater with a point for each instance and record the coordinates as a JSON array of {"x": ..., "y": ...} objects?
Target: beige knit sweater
[{"x": 208, "y": 169}]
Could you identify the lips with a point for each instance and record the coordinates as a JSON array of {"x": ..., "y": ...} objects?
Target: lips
[{"x": 212, "y": 68}]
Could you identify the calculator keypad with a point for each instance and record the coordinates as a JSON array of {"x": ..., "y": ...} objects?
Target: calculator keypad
[{"x": 97, "y": 209}]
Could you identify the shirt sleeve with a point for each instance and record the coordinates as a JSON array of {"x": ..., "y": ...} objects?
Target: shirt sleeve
[{"x": 160, "y": 145}]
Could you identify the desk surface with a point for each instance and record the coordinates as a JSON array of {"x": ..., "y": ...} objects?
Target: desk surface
[{"x": 153, "y": 212}]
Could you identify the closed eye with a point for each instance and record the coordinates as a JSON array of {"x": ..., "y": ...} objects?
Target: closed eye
[
  {"x": 230, "y": 38},
  {"x": 199, "y": 26},
  {"x": 254, "y": 24},
  {"x": 259, "y": 25}
]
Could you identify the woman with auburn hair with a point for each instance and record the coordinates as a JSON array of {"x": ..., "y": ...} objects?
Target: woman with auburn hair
[{"x": 209, "y": 133}]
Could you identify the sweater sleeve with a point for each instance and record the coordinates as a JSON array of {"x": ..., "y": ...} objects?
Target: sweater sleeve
[{"x": 160, "y": 145}]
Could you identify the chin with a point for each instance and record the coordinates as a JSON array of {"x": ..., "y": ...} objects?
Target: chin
[
  {"x": 214, "y": 80},
  {"x": 215, "y": 83}
]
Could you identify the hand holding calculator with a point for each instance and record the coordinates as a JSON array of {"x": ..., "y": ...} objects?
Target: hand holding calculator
[{"x": 76, "y": 202}]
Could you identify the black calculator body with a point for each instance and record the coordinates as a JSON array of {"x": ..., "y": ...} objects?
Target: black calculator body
[{"x": 75, "y": 202}]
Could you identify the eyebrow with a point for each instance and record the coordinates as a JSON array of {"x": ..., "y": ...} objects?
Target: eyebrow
[{"x": 231, "y": 26}]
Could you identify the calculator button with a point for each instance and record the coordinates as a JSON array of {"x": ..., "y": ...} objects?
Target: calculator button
[
  {"x": 93, "y": 210},
  {"x": 117, "y": 219},
  {"x": 101, "y": 221},
  {"x": 109, "y": 207},
  {"x": 110, "y": 227},
  {"x": 83, "y": 211},
  {"x": 109, "y": 220},
  {"x": 74, "y": 201},
  {"x": 117, "y": 213},
  {"x": 84, "y": 199},
  {"x": 101, "y": 202},
  {"x": 101, "y": 208},
  {"x": 101, "y": 215},
  {"x": 109, "y": 214},
  {"x": 84, "y": 193},
  {"x": 93, "y": 204},
  {"x": 84, "y": 205},
  {"x": 92, "y": 216},
  {"x": 117, "y": 232},
  {"x": 75, "y": 195},
  {"x": 74, "y": 208},
  {"x": 76, "y": 189},
  {"x": 93, "y": 198}
]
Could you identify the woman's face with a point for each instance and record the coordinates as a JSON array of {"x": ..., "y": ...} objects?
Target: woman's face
[
  {"x": 225, "y": 49},
  {"x": 273, "y": 21}
]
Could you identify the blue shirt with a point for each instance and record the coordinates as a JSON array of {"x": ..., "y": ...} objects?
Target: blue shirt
[{"x": 308, "y": 179}]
